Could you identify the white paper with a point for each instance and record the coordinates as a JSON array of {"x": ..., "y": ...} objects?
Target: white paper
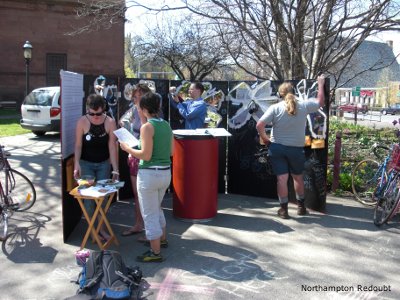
[
  {"x": 97, "y": 191},
  {"x": 125, "y": 136},
  {"x": 216, "y": 131}
]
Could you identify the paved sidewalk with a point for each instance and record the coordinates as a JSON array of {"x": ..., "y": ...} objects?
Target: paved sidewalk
[
  {"x": 375, "y": 121},
  {"x": 246, "y": 252}
]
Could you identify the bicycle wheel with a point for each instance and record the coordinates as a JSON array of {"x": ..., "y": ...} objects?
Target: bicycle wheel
[
  {"x": 387, "y": 204},
  {"x": 21, "y": 192},
  {"x": 364, "y": 180}
]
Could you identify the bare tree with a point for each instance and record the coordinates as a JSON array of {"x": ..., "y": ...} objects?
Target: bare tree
[
  {"x": 102, "y": 14},
  {"x": 131, "y": 55},
  {"x": 298, "y": 39},
  {"x": 186, "y": 45},
  {"x": 290, "y": 39},
  {"x": 98, "y": 14}
]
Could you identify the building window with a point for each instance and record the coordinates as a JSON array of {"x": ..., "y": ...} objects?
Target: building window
[{"x": 55, "y": 63}]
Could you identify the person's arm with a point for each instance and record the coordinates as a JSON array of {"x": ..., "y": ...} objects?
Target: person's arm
[
  {"x": 193, "y": 111},
  {"x": 261, "y": 132},
  {"x": 266, "y": 118},
  {"x": 112, "y": 147},
  {"x": 78, "y": 148},
  {"x": 172, "y": 102},
  {"x": 321, "y": 93},
  {"x": 126, "y": 119},
  {"x": 146, "y": 143}
]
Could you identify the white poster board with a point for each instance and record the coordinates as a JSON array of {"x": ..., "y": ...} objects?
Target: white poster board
[{"x": 71, "y": 109}]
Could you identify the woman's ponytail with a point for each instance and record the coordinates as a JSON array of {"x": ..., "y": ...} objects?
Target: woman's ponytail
[
  {"x": 286, "y": 92},
  {"x": 291, "y": 104}
]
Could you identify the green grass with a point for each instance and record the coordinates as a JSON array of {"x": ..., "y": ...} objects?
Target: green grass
[{"x": 10, "y": 126}]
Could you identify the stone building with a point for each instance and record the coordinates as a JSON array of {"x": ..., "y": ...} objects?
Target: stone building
[
  {"x": 45, "y": 24},
  {"x": 376, "y": 72}
]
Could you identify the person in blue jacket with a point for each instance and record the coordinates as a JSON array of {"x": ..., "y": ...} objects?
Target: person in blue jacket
[{"x": 193, "y": 110}]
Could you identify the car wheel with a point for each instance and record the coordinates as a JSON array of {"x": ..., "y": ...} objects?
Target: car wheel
[
  {"x": 384, "y": 112},
  {"x": 39, "y": 133}
]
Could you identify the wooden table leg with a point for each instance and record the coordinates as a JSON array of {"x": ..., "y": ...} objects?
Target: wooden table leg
[
  {"x": 90, "y": 222},
  {"x": 103, "y": 219},
  {"x": 92, "y": 229}
]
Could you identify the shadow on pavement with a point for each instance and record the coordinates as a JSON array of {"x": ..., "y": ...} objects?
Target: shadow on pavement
[{"x": 22, "y": 244}]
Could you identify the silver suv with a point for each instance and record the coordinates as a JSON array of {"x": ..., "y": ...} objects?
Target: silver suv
[{"x": 41, "y": 110}]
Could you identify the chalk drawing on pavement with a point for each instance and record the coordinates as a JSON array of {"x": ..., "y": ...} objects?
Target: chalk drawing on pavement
[{"x": 239, "y": 277}]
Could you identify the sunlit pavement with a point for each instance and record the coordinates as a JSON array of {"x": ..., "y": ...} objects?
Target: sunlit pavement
[{"x": 246, "y": 252}]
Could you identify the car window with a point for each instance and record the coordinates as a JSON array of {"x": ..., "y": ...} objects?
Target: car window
[{"x": 41, "y": 98}]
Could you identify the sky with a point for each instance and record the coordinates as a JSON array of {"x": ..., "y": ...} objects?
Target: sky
[{"x": 138, "y": 18}]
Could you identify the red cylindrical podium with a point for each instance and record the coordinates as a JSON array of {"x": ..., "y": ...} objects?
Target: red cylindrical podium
[{"x": 195, "y": 177}]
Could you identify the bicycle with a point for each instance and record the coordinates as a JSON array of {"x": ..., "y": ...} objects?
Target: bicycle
[
  {"x": 388, "y": 203},
  {"x": 17, "y": 192},
  {"x": 369, "y": 176}
]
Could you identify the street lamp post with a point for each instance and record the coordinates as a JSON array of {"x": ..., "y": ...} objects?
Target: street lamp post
[{"x": 28, "y": 56}]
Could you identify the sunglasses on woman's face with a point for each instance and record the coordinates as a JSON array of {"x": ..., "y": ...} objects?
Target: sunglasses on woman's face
[{"x": 95, "y": 114}]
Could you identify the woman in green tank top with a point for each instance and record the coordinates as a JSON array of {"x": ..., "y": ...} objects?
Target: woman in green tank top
[{"x": 154, "y": 176}]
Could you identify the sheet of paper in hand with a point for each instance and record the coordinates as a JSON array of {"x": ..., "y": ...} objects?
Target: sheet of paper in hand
[{"x": 125, "y": 136}]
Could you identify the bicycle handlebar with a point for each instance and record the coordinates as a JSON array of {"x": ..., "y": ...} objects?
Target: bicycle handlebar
[{"x": 377, "y": 147}]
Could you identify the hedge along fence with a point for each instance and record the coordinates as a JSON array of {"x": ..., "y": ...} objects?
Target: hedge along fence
[{"x": 356, "y": 144}]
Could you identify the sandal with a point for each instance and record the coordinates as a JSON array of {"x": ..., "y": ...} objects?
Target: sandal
[{"x": 131, "y": 231}]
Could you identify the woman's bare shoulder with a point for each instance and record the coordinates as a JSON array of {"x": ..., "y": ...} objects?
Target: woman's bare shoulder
[
  {"x": 110, "y": 123},
  {"x": 82, "y": 121},
  {"x": 147, "y": 127},
  {"x": 83, "y": 124}
]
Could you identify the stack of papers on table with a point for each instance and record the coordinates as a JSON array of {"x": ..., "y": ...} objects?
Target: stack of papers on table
[{"x": 97, "y": 191}]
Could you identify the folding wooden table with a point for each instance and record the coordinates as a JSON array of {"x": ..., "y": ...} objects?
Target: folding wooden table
[{"x": 92, "y": 219}]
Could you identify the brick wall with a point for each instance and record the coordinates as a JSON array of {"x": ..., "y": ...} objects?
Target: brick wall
[{"x": 44, "y": 24}]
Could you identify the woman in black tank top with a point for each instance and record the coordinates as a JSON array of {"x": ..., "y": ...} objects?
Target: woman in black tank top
[
  {"x": 96, "y": 138},
  {"x": 95, "y": 145}
]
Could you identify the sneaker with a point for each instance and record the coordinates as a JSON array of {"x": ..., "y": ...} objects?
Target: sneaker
[
  {"x": 150, "y": 256},
  {"x": 163, "y": 244},
  {"x": 283, "y": 213}
]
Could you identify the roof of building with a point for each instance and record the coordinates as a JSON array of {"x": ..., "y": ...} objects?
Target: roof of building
[{"x": 379, "y": 61}]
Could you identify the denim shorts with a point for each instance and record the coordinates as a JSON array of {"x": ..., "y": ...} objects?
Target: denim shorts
[
  {"x": 100, "y": 170},
  {"x": 286, "y": 159}
]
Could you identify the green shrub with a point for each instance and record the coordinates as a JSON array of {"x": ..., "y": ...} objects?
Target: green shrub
[{"x": 357, "y": 142}]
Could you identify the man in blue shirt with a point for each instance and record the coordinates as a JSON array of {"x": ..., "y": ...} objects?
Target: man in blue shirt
[{"x": 193, "y": 110}]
